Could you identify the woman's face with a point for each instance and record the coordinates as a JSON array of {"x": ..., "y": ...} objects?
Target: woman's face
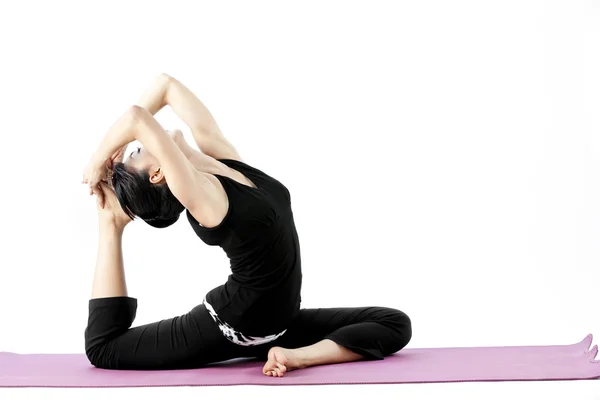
[{"x": 141, "y": 160}]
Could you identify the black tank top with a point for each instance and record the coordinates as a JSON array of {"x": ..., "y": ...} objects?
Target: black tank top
[{"x": 258, "y": 234}]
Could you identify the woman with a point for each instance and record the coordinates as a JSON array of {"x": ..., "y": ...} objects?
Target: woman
[{"x": 230, "y": 204}]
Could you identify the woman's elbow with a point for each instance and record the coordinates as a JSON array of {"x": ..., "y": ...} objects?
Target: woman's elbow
[
  {"x": 136, "y": 113},
  {"x": 164, "y": 78},
  {"x": 137, "y": 116}
]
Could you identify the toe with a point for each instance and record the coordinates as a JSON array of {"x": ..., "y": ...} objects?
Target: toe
[
  {"x": 282, "y": 368},
  {"x": 269, "y": 365}
]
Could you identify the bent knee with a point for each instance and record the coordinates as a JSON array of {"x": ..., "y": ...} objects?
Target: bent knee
[
  {"x": 99, "y": 357},
  {"x": 92, "y": 355},
  {"x": 406, "y": 328},
  {"x": 401, "y": 324}
]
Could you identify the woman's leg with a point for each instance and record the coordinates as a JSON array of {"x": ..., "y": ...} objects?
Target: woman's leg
[
  {"x": 186, "y": 341},
  {"x": 109, "y": 276},
  {"x": 334, "y": 335}
]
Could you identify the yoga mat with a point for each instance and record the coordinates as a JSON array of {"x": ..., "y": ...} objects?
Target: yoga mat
[{"x": 460, "y": 364}]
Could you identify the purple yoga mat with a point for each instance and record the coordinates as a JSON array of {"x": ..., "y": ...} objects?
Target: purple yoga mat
[{"x": 459, "y": 364}]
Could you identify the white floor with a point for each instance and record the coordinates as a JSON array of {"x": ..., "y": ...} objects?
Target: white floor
[{"x": 563, "y": 390}]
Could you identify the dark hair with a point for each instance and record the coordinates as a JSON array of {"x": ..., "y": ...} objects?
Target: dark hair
[{"x": 154, "y": 203}]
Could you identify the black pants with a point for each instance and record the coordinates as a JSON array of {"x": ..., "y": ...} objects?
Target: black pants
[{"x": 193, "y": 340}]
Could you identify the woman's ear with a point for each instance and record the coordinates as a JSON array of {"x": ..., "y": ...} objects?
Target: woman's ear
[{"x": 156, "y": 175}]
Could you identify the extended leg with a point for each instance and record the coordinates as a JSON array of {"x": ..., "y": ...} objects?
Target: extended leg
[
  {"x": 327, "y": 336},
  {"x": 186, "y": 341},
  {"x": 109, "y": 276}
]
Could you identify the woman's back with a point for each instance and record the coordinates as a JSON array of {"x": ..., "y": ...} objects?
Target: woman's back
[{"x": 259, "y": 236}]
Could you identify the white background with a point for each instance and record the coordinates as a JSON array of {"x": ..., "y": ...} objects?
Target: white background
[{"x": 443, "y": 158}]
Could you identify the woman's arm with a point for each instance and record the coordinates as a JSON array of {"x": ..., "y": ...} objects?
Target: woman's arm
[
  {"x": 167, "y": 90},
  {"x": 199, "y": 160},
  {"x": 191, "y": 187}
]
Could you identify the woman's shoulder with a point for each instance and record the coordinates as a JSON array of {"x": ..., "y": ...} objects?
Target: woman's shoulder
[
  {"x": 246, "y": 169},
  {"x": 238, "y": 165},
  {"x": 261, "y": 179}
]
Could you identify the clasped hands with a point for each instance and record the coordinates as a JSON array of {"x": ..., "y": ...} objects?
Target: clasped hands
[{"x": 97, "y": 175}]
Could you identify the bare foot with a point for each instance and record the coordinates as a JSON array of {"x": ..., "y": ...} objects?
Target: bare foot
[{"x": 282, "y": 360}]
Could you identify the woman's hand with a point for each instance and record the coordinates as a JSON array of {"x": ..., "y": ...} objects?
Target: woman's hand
[
  {"x": 111, "y": 148},
  {"x": 95, "y": 172},
  {"x": 118, "y": 156},
  {"x": 111, "y": 211}
]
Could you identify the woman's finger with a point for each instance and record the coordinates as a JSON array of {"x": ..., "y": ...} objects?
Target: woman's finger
[
  {"x": 100, "y": 195},
  {"x": 102, "y": 187}
]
